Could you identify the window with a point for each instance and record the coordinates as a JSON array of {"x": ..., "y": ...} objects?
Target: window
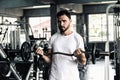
[
  {"x": 97, "y": 27},
  {"x": 73, "y": 17},
  {"x": 40, "y": 27}
]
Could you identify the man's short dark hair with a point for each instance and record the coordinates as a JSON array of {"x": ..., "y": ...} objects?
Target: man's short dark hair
[{"x": 64, "y": 12}]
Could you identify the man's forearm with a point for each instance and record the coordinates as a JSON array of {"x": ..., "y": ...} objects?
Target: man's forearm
[
  {"x": 46, "y": 58},
  {"x": 82, "y": 58}
]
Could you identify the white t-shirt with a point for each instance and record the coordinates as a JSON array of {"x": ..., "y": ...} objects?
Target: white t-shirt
[{"x": 65, "y": 67}]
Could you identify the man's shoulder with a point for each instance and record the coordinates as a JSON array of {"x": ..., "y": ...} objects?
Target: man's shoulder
[
  {"x": 77, "y": 34},
  {"x": 55, "y": 34}
]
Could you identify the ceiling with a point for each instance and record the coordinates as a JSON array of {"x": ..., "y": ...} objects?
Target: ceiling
[
  {"x": 16, "y": 7},
  {"x": 31, "y": 3}
]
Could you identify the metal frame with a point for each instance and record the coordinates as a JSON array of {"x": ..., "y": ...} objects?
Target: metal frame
[{"x": 107, "y": 42}]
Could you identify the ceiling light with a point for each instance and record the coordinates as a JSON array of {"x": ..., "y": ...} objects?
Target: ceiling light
[
  {"x": 108, "y": 1},
  {"x": 34, "y": 7}
]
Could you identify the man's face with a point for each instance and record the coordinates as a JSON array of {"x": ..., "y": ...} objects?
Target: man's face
[{"x": 63, "y": 23}]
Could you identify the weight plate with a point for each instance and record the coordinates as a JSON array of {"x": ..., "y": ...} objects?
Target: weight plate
[
  {"x": 26, "y": 51},
  {"x": 42, "y": 43}
]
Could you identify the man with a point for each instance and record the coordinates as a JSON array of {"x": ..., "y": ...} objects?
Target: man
[{"x": 64, "y": 43}]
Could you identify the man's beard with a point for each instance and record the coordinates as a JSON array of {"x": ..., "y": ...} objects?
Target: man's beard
[{"x": 62, "y": 31}]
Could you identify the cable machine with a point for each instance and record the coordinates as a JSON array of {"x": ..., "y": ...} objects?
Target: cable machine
[{"x": 116, "y": 21}]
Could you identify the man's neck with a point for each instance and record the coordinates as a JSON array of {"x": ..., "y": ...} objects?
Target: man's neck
[{"x": 67, "y": 33}]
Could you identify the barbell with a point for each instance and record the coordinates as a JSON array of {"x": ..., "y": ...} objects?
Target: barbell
[{"x": 26, "y": 50}]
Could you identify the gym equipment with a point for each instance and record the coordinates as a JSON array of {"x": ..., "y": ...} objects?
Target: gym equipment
[
  {"x": 26, "y": 54},
  {"x": 26, "y": 51},
  {"x": 4, "y": 67},
  {"x": 62, "y": 53},
  {"x": 116, "y": 16},
  {"x": 93, "y": 51},
  {"x": 5, "y": 33},
  {"x": 15, "y": 56},
  {"x": 12, "y": 68}
]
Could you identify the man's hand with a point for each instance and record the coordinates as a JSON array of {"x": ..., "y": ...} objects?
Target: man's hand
[
  {"x": 80, "y": 55},
  {"x": 77, "y": 52},
  {"x": 39, "y": 51}
]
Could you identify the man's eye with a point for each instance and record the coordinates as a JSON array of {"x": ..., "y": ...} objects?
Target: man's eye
[{"x": 64, "y": 20}]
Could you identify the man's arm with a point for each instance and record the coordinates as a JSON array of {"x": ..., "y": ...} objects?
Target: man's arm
[
  {"x": 80, "y": 56},
  {"x": 47, "y": 58}
]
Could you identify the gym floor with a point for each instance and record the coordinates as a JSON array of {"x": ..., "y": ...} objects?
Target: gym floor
[{"x": 97, "y": 71}]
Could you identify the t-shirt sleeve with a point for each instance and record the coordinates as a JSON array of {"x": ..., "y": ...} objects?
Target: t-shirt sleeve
[{"x": 50, "y": 43}]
